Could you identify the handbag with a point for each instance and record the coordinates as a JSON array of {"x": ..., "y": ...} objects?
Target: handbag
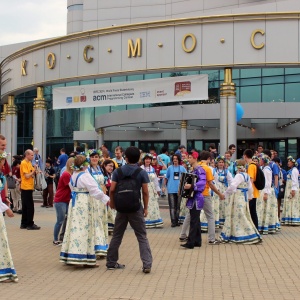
[{"x": 11, "y": 182}]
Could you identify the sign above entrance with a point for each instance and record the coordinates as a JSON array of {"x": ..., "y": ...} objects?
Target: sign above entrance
[{"x": 171, "y": 89}]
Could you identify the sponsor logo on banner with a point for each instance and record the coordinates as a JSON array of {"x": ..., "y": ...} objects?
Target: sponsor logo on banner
[
  {"x": 76, "y": 99},
  {"x": 69, "y": 100},
  {"x": 145, "y": 94},
  {"x": 182, "y": 88},
  {"x": 82, "y": 98}
]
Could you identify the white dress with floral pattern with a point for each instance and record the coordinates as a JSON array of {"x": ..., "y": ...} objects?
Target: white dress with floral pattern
[
  {"x": 153, "y": 218},
  {"x": 7, "y": 269},
  {"x": 291, "y": 205},
  {"x": 267, "y": 210},
  {"x": 102, "y": 209},
  {"x": 84, "y": 237},
  {"x": 238, "y": 227}
]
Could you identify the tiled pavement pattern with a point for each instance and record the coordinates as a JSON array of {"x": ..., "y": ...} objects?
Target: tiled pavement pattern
[{"x": 267, "y": 271}]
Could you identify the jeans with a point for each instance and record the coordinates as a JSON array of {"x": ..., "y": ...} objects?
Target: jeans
[
  {"x": 174, "y": 206},
  {"x": 61, "y": 209},
  {"x": 253, "y": 213},
  {"x": 137, "y": 222}
]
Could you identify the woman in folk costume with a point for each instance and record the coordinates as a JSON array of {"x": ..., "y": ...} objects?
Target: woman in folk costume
[
  {"x": 266, "y": 205},
  {"x": 238, "y": 227},
  {"x": 108, "y": 166},
  {"x": 7, "y": 270},
  {"x": 82, "y": 241},
  {"x": 94, "y": 169},
  {"x": 291, "y": 207},
  {"x": 183, "y": 209},
  {"x": 223, "y": 179},
  {"x": 153, "y": 218}
]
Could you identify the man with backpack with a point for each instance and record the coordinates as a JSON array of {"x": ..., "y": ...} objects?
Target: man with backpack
[
  {"x": 126, "y": 184},
  {"x": 252, "y": 172}
]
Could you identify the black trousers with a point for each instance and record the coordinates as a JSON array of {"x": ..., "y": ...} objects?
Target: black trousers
[
  {"x": 195, "y": 227},
  {"x": 27, "y": 208},
  {"x": 253, "y": 213}
]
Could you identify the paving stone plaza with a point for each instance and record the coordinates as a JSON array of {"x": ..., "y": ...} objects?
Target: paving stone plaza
[{"x": 266, "y": 271}]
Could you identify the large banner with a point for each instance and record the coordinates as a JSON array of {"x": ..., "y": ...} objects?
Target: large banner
[{"x": 171, "y": 89}]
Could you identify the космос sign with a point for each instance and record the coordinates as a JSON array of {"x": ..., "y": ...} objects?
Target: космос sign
[{"x": 247, "y": 40}]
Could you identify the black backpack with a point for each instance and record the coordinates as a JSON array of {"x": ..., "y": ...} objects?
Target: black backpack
[
  {"x": 127, "y": 195},
  {"x": 260, "y": 181}
]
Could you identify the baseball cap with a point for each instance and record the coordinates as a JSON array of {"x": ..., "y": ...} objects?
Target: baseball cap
[{"x": 195, "y": 154}]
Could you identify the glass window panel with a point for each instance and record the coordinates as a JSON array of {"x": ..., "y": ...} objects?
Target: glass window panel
[
  {"x": 103, "y": 80},
  {"x": 274, "y": 79},
  {"x": 250, "y": 81},
  {"x": 118, "y": 79},
  {"x": 292, "y": 70},
  {"x": 237, "y": 92},
  {"x": 74, "y": 83},
  {"x": 213, "y": 75},
  {"x": 134, "y": 106},
  {"x": 246, "y": 73},
  {"x": 292, "y": 147},
  {"x": 192, "y": 73},
  {"x": 87, "y": 118},
  {"x": 199, "y": 145},
  {"x": 125, "y": 145},
  {"x": 173, "y": 146},
  {"x": 292, "y": 92},
  {"x": 58, "y": 85},
  {"x": 135, "y": 77},
  {"x": 250, "y": 94},
  {"x": 85, "y": 82},
  {"x": 152, "y": 76},
  {"x": 118, "y": 108},
  {"x": 166, "y": 75},
  {"x": 292, "y": 78},
  {"x": 273, "y": 93},
  {"x": 272, "y": 71},
  {"x": 102, "y": 110}
]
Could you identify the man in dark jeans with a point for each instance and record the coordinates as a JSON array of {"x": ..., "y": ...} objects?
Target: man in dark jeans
[
  {"x": 135, "y": 219},
  {"x": 27, "y": 172}
]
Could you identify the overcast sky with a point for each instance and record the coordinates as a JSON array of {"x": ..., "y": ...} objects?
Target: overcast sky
[{"x": 28, "y": 20}]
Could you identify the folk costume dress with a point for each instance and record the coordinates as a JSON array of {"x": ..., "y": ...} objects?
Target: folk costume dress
[
  {"x": 223, "y": 179},
  {"x": 238, "y": 227},
  {"x": 291, "y": 207},
  {"x": 7, "y": 269},
  {"x": 83, "y": 240},
  {"x": 267, "y": 210},
  {"x": 153, "y": 218},
  {"x": 102, "y": 209}
]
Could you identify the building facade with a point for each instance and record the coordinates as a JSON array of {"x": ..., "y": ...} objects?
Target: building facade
[{"x": 249, "y": 49}]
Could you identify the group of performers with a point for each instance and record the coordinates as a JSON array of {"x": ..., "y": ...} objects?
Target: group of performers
[{"x": 89, "y": 214}]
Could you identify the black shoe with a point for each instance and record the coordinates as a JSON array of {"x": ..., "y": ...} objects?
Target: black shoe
[
  {"x": 183, "y": 239},
  {"x": 197, "y": 245},
  {"x": 43, "y": 205},
  {"x": 146, "y": 270},
  {"x": 188, "y": 246},
  {"x": 19, "y": 211},
  {"x": 173, "y": 225},
  {"x": 116, "y": 266},
  {"x": 33, "y": 227},
  {"x": 178, "y": 224},
  {"x": 23, "y": 227}
]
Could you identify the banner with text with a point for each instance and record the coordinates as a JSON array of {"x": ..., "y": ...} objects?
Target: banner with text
[{"x": 171, "y": 89}]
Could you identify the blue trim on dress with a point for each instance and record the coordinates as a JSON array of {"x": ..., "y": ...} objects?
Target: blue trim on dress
[
  {"x": 240, "y": 238},
  {"x": 78, "y": 256},
  {"x": 154, "y": 221},
  {"x": 101, "y": 247},
  {"x": 8, "y": 271},
  {"x": 291, "y": 219}
]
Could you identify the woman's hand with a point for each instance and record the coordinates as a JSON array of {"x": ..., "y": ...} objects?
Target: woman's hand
[{"x": 265, "y": 197}]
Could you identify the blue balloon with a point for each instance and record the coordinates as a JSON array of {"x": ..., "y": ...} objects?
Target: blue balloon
[{"x": 239, "y": 112}]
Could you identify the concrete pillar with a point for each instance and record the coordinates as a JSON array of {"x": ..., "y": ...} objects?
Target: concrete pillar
[
  {"x": 183, "y": 135},
  {"x": 11, "y": 124},
  {"x": 100, "y": 137},
  {"x": 228, "y": 112},
  {"x": 40, "y": 122}
]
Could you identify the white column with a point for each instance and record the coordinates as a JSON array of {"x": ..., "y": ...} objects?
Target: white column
[
  {"x": 40, "y": 122},
  {"x": 3, "y": 118},
  {"x": 100, "y": 137},
  {"x": 228, "y": 112},
  {"x": 183, "y": 135},
  {"x": 11, "y": 127}
]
